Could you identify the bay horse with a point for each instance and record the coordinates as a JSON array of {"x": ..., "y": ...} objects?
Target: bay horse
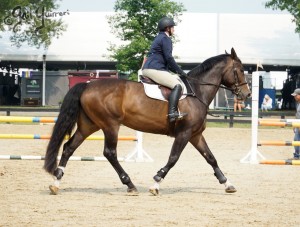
[{"x": 106, "y": 104}]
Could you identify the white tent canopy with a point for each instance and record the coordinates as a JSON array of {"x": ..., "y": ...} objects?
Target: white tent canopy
[{"x": 268, "y": 38}]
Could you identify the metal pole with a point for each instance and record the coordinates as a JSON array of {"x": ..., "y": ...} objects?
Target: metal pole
[
  {"x": 216, "y": 99},
  {"x": 44, "y": 81}
]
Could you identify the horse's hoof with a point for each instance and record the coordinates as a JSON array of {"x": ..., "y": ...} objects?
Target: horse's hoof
[
  {"x": 154, "y": 191},
  {"x": 230, "y": 189},
  {"x": 132, "y": 192},
  {"x": 53, "y": 189}
]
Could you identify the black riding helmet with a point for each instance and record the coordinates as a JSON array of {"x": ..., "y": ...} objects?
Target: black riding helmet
[{"x": 164, "y": 23}]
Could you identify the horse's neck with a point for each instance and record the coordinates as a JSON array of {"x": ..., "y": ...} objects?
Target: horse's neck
[{"x": 207, "y": 86}]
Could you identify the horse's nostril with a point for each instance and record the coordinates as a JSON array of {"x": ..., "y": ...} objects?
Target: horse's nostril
[{"x": 249, "y": 95}]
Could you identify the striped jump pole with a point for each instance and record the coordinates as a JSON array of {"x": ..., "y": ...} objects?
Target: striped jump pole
[
  {"x": 47, "y": 137},
  {"x": 13, "y": 119},
  {"x": 138, "y": 155},
  {"x": 278, "y": 143},
  {"x": 254, "y": 156},
  {"x": 280, "y": 120},
  {"x": 36, "y": 157},
  {"x": 279, "y": 123},
  {"x": 280, "y": 162}
]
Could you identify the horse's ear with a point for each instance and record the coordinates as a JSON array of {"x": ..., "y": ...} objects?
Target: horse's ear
[
  {"x": 233, "y": 54},
  {"x": 226, "y": 52}
]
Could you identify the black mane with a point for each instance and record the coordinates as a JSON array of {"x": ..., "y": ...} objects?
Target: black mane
[{"x": 207, "y": 64}]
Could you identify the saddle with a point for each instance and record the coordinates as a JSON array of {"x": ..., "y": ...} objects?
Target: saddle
[{"x": 160, "y": 92}]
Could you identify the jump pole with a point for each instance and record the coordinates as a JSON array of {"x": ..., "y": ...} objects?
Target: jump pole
[
  {"x": 279, "y": 120},
  {"x": 280, "y": 162},
  {"x": 254, "y": 155},
  {"x": 47, "y": 137},
  {"x": 280, "y": 123},
  {"x": 138, "y": 155},
  {"x": 28, "y": 119},
  {"x": 278, "y": 143},
  {"x": 37, "y": 157}
]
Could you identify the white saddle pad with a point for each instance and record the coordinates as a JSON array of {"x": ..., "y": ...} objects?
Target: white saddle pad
[{"x": 153, "y": 91}]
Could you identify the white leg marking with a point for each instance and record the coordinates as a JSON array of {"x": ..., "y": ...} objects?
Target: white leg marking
[
  {"x": 56, "y": 181},
  {"x": 156, "y": 185},
  {"x": 227, "y": 184}
]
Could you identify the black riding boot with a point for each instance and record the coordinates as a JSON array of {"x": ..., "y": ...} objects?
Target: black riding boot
[{"x": 173, "y": 103}]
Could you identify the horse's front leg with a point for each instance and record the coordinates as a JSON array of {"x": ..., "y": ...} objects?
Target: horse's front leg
[
  {"x": 68, "y": 151},
  {"x": 179, "y": 144},
  {"x": 200, "y": 144},
  {"x": 110, "y": 152}
]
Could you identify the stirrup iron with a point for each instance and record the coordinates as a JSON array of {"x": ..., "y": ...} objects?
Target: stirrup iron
[{"x": 176, "y": 115}]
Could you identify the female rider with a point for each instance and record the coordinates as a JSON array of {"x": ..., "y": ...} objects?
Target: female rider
[{"x": 160, "y": 61}]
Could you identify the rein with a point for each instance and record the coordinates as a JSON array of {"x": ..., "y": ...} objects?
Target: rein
[{"x": 236, "y": 90}]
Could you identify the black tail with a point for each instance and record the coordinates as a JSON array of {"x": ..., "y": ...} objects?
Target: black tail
[{"x": 64, "y": 125}]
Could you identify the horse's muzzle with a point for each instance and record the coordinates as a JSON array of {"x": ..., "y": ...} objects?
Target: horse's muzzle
[{"x": 249, "y": 96}]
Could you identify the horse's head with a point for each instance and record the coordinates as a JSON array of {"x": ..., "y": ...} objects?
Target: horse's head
[{"x": 234, "y": 77}]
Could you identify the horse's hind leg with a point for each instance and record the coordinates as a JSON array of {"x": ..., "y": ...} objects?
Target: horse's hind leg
[
  {"x": 110, "y": 152},
  {"x": 68, "y": 150},
  {"x": 200, "y": 144}
]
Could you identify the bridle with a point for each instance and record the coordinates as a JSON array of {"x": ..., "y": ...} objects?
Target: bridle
[{"x": 235, "y": 90}]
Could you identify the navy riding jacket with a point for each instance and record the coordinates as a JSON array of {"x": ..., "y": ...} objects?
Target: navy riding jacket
[{"x": 160, "y": 55}]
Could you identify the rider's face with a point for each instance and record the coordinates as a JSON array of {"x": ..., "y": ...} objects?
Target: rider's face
[{"x": 170, "y": 30}]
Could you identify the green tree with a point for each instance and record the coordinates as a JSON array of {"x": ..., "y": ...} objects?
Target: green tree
[
  {"x": 292, "y": 6},
  {"x": 31, "y": 21},
  {"x": 135, "y": 24}
]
